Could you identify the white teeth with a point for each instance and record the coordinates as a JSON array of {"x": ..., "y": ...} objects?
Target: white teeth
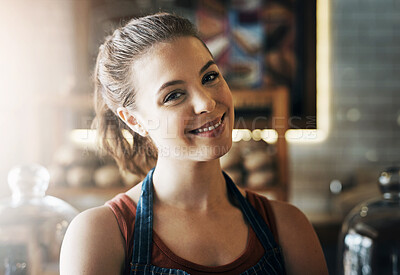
[{"x": 209, "y": 128}]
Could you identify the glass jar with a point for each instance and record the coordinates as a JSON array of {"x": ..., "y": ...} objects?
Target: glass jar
[
  {"x": 369, "y": 242},
  {"x": 32, "y": 225}
]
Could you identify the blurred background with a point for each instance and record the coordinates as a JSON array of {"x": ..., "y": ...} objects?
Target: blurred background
[{"x": 323, "y": 74}]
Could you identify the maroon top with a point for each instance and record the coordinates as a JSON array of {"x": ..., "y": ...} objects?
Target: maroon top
[{"x": 124, "y": 210}]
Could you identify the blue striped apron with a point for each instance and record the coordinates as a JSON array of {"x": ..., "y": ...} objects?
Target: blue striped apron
[{"x": 270, "y": 263}]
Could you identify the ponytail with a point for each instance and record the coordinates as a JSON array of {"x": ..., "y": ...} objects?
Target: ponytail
[{"x": 137, "y": 154}]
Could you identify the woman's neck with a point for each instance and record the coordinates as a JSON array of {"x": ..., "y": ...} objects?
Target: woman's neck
[{"x": 189, "y": 185}]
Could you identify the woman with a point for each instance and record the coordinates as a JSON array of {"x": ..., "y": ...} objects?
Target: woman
[{"x": 155, "y": 78}]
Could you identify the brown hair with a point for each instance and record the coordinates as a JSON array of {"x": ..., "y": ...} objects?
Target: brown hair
[{"x": 114, "y": 86}]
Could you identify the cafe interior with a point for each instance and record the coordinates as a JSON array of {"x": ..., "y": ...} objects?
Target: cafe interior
[{"x": 315, "y": 85}]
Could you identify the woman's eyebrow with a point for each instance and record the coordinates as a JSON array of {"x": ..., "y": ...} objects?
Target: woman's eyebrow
[
  {"x": 205, "y": 67},
  {"x": 170, "y": 83},
  {"x": 174, "y": 82}
]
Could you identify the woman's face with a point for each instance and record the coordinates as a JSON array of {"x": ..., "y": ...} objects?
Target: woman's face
[{"x": 183, "y": 102}]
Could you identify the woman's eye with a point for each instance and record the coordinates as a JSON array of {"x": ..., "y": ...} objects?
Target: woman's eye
[
  {"x": 172, "y": 96},
  {"x": 209, "y": 77}
]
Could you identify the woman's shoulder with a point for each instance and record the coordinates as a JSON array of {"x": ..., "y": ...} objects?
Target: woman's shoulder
[
  {"x": 94, "y": 222},
  {"x": 279, "y": 208},
  {"x": 92, "y": 217},
  {"x": 96, "y": 239},
  {"x": 284, "y": 214},
  {"x": 300, "y": 244},
  {"x": 93, "y": 244}
]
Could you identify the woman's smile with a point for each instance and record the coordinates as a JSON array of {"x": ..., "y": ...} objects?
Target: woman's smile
[{"x": 210, "y": 129}]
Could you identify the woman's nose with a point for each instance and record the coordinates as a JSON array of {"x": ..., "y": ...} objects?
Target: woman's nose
[{"x": 203, "y": 101}]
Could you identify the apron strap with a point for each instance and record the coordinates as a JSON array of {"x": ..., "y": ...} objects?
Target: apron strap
[
  {"x": 143, "y": 230},
  {"x": 252, "y": 216}
]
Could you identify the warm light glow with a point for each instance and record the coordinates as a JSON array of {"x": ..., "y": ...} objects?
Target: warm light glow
[
  {"x": 267, "y": 135},
  {"x": 323, "y": 81},
  {"x": 305, "y": 135},
  {"x": 83, "y": 137},
  {"x": 241, "y": 134},
  {"x": 39, "y": 65}
]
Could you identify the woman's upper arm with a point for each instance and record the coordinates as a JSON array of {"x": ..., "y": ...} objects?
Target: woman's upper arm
[
  {"x": 93, "y": 244},
  {"x": 301, "y": 247}
]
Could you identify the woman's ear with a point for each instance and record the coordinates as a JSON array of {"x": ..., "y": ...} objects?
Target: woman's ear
[{"x": 131, "y": 121}]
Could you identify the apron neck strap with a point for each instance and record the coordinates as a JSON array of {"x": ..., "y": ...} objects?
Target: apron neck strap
[
  {"x": 143, "y": 231},
  {"x": 252, "y": 216}
]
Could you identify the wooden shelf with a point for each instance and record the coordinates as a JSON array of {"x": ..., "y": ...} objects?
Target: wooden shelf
[
  {"x": 256, "y": 98},
  {"x": 272, "y": 105},
  {"x": 249, "y": 99}
]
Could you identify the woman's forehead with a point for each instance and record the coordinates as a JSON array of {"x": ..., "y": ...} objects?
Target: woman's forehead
[
  {"x": 174, "y": 59},
  {"x": 182, "y": 48}
]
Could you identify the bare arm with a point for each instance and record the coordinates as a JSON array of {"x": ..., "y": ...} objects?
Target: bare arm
[
  {"x": 301, "y": 247},
  {"x": 93, "y": 244}
]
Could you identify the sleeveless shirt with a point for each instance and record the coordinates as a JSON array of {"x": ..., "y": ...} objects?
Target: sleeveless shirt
[{"x": 124, "y": 210}]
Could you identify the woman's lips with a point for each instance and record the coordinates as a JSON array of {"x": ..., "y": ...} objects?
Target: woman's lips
[
  {"x": 211, "y": 128},
  {"x": 209, "y": 124}
]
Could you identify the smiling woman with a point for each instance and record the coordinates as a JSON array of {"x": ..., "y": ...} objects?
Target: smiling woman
[
  {"x": 184, "y": 98},
  {"x": 155, "y": 78}
]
